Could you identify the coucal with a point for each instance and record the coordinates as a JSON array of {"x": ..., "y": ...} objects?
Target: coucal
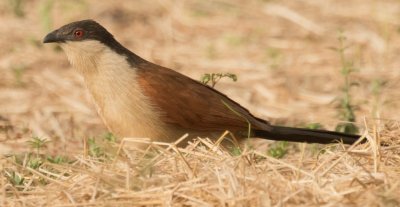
[{"x": 137, "y": 98}]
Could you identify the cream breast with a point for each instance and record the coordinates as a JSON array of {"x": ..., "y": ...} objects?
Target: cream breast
[{"x": 111, "y": 81}]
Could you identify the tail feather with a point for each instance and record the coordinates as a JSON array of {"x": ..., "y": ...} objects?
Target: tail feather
[{"x": 306, "y": 135}]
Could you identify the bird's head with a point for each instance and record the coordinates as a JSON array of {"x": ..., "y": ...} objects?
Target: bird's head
[
  {"x": 80, "y": 31},
  {"x": 84, "y": 42}
]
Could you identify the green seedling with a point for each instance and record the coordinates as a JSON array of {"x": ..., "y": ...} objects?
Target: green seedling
[
  {"x": 15, "y": 178},
  {"x": 236, "y": 151},
  {"x": 213, "y": 78},
  {"x": 346, "y": 109},
  {"x": 38, "y": 143},
  {"x": 278, "y": 150},
  {"x": 57, "y": 159},
  {"x": 35, "y": 163},
  {"x": 110, "y": 137},
  {"x": 94, "y": 149}
]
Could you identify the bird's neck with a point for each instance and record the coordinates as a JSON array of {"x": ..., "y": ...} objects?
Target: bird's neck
[
  {"x": 84, "y": 56},
  {"x": 101, "y": 67}
]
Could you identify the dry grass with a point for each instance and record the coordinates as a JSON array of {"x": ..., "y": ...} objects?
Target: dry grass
[
  {"x": 203, "y": 174},
  {"x": 286, "y": 73}
]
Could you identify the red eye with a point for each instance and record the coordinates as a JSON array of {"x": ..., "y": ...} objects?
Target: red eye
[{"x": 78, "y": 33}]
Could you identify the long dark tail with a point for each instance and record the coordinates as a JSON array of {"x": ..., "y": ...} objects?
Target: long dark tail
[{"x": 306, "y": 135}]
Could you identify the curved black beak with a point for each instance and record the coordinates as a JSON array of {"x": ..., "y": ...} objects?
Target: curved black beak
[{"x": 52, "y": 37}]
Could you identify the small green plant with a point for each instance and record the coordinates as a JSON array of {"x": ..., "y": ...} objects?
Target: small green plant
[
  {"x": 236, "y": 151},
  {"x": 35, "y": 163},
  {"x": 346, "y": 110},
  {"x": 278, "y": 150},
  {"x": 57, "y": 159},
  {"x": 94, "y": 149},
  {"x": 213, "y": 78},
  {"x": 38, "y": 143},
  {"x": 110, "y": 137},
  {"x": 15, "y": 178}
]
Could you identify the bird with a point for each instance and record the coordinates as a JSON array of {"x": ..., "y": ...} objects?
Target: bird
[{"x": 137, "y": 98}]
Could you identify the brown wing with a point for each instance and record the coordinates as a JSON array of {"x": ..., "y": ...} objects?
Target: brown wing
[{"x": 191, "y": 105}]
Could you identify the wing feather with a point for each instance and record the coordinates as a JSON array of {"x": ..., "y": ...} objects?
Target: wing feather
[{"x": 195, "y": 106}]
